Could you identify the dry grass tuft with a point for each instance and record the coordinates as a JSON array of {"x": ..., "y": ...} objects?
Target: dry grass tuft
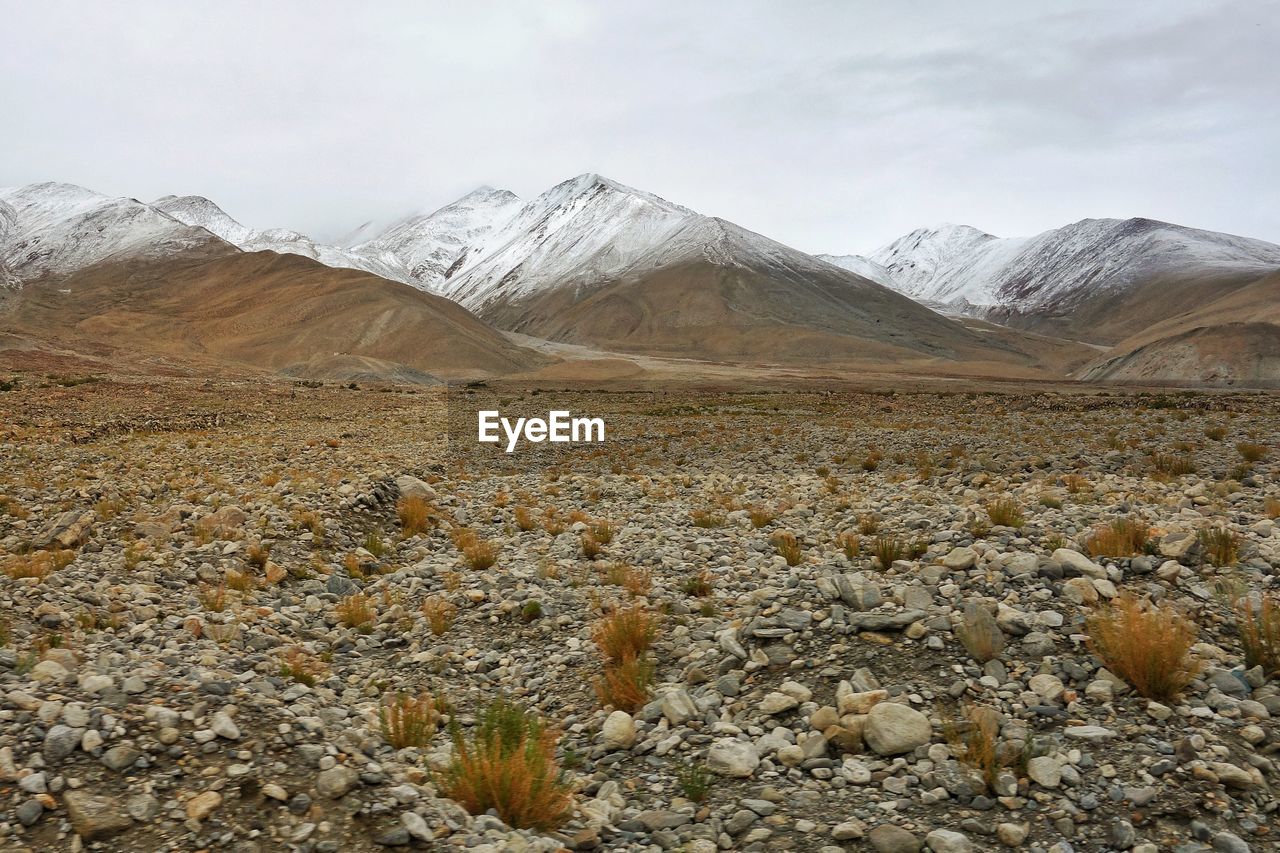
[
  {"x": 213, "y": 598},
  {"x": 1259, "y": 626},
  {"x": 627, "y": 632},
  {"x": 524, "y": 518},
  {"x": 1005, "y": 512},
  {"x": 888, "y": 550},
  {"x": 761, "y": 516},
  {"x": 1146, "y": 644},
  {"x": 1271, "y": 507},
  {"x": 38, "y": 565},
  {"x": 591, "y": 547},
  {"x": 626, "y": 684},
  {"x": 509, "y": 766},
  {"x": 302, "y": 666},
  {"x": 440, "y": 613},
  {"x": 851, "y": 544},
  {"x": 356, "y": 611},
  {"x": 407, "y": 721},
  {"x": 975, "y": 740},
  {"x": 706, "y": 518},
  {"x": 1123, "y": 537},
  {"x": 415, "y": 515},
  {"x": 1251, "y": 452},
  {"x": 788, "y": 547},
  {"x": 698, "y": 585},
  {"x": 1221, "y": 545}
]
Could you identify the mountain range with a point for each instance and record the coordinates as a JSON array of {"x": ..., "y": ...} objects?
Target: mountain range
[{"x": 597, "y": 264}]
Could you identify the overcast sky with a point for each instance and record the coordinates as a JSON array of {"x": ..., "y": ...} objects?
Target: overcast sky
[{"x": 831, "y": 126}]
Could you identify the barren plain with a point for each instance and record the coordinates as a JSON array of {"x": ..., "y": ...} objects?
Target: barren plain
[{"x": 258, "y": 615}]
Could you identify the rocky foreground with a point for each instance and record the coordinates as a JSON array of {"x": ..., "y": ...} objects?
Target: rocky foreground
[{"x": 211, "y": 589}]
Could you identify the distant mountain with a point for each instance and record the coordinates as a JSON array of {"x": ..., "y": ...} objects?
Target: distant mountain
[
  {"x": 283, "y": 313},
  {"x": 199, "y": 211},
  {"x": 577, "y": 234},
  {"x": 430, "y": 246},
  {"x": 53, "y": 230},
  {"x": 1097, "y": 280},
  {"x": 864, "y": 267},
  {"x": 1231, "y": 340},
  {"x": 598, "y": 263}
]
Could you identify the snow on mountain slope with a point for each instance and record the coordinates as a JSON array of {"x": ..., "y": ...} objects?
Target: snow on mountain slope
[
  {"x": 582, "y": 232},
  {"x": 57, "y": 229},
  {"x": 915, "y": 261},
  {"x": 864, "y": 267},
  {"x": 430, "y": 245},
  {"x": 972, "y": 270},
  {"x": 200, "y": 211},
  {"x": 1060, "y": 268}
]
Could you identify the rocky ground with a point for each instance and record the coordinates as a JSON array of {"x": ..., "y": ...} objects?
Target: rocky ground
[{"x": 176, "y": 674}]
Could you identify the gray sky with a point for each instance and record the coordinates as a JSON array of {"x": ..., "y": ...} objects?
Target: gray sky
[{"x": 832, "y": 126}]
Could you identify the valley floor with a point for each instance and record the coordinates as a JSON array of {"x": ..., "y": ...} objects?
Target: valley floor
[{"x": 212, "y": 586}]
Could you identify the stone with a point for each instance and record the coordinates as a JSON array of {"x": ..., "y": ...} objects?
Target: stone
[
  {"x": 203, "y": 804},
  {"x": 29, "y": 812},
  {"x": 120, "y": 758},
  {"x": 887, "y": 838},
  {"x": 416, "y": 826},
  {"x": 1013, "y": 834},
  {"x": 848, "y": 830},
  {"x": 93, "y": 817},
  {"x": 678, "y": 707},
  {"x": 733, "y": 758},
  {"x": 1045, "y": 771},
  {"x": 223, "y": 726},
  {"x": 777, "y": 703},
  {"x": 68, "y": 530},
  {"x": 1092, "y": 734},
  {"x": 1079, "y": 562},
  {"x": 336, "y": 781},
  {"x": 59, "y": 742},
  {"x": 880, "y": 621},
  {"x": 959, "y": 559},
  {"x": 411, "y": 487},
  {"x": 892, "y": 729},
  {"x": 948, "y": 841},
  {"x": 619, "y": 731},
  {"x": 1227, "y": 842},
  {"x": 978, "y": 631}
]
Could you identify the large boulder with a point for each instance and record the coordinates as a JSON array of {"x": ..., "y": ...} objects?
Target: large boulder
[{"x": 892, "y": 729}]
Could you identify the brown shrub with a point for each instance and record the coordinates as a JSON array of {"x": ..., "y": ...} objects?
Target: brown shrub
[
  {"x": 626, "y": 632},
  {"x": 625, "y": 685},
  {"x": 408, "y": 721},
  {"x": 440, "y": 613},
  {"x": 415, "y": 515},
  {"x": 1123, "y": 537},
  {"x": 1259, "y": 626},
  {"x": 508, "y": 766},
  {"x": 356, "y": 611},
  {"x": 788, "y": 547},
  {"x": 1146, "y": 644}
]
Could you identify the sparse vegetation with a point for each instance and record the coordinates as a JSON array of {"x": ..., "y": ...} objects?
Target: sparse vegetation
[
  {"x": 508, "y": 765},
  {"x": 888, "y": 550},
  {"x": 1259, "y": 625},
  {"x": 415, "y": 514},
  {"x": 439, "y": 613},
  {"x": 1005, "y": 512},
  {"x": 1123, "y": 537},
  {"x": 788, "y": 547},
  {"x": 408, "y": 720},
  {"x": 1221, "y": 545},
  {"x": 1251, "y": 452},
  {"x": 627, "y": 632},
  {"x": 356, "y": 611},
  {"x": 1146, "y": 644}
]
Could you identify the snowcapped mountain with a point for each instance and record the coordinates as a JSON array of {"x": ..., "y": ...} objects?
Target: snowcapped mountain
[
  {"x": 57, "y": 229},
  {"x": 864, "y": 267},
  {"x": 199, "y": 211},
  {"x": 580, "y": 232},
  {"x": 430, "y": 245},
  {"x": 916, "y": 261}
]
